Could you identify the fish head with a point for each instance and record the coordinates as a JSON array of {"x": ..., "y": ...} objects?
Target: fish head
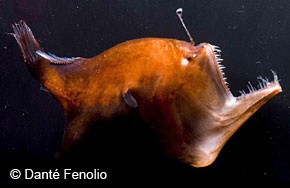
[{"x": 206, "y": 108}]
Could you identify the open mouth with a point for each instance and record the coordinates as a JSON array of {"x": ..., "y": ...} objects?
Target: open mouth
[{"x": 264, "y": 84}]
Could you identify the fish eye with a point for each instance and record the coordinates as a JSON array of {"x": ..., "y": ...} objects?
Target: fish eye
[{"x": 189, "y": 58}]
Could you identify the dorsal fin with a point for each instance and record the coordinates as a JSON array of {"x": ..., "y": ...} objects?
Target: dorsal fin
[
  {"x": 26, "y": 41},
  {"x": 57, "y": 60}
]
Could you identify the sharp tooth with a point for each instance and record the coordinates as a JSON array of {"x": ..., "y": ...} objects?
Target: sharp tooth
[
  {"x": 214, "y": 46},
  {"x": 241, "y": 93},
  {"x": 249, "y": 89},
  {"x": 244, "y": 92},
  {"x": 276, "y": 80},
  {"x": 264, "y": 81},
  {"x": 217, "y": 54},
  {"x": 260, "y": 85}
]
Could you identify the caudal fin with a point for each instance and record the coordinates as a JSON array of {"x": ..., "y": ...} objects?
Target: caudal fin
[
  {"x": 31, "y": 49},
  {"x": 26, "y": 41}
]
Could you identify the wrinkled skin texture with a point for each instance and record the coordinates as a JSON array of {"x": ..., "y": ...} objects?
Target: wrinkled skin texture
[{"x": 178, "y": 89}]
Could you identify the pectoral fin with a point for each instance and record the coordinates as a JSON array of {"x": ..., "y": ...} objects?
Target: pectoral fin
[{"x": 129, "y": 99}]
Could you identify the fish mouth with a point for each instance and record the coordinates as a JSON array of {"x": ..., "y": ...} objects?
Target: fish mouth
[
  {"x": 265, "y": 87},
  {"x": 223, "y": 121}
]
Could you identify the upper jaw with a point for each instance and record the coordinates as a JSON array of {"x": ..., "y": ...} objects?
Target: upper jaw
[{"x": 215, "y": 54}]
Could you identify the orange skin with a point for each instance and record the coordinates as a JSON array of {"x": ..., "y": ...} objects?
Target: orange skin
[
  {"x": 178, "y": 87},
  {"x": 93, "y": 88}
]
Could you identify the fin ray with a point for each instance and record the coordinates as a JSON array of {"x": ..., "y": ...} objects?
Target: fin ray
[
  {"x": 26, "y": 41},
  {"x": 57, "y": 60}
]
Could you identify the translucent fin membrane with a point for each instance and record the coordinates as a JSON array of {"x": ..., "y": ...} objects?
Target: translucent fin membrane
[{"x": 57, "y": 60}]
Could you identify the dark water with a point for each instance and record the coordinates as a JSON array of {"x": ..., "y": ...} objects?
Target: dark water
[{"x": 253, "y": 36}]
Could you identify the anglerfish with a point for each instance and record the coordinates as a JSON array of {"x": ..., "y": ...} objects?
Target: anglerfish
[{"x": 177, "y": 87}]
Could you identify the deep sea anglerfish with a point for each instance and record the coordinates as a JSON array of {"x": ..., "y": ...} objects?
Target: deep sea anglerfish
[{"x": 177, "y": 87}]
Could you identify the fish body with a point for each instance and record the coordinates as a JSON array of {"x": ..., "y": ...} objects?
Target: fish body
[{"x": 177, "y": 87}]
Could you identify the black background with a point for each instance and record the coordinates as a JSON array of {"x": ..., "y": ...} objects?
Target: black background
[{"x": 253, "y": 36}]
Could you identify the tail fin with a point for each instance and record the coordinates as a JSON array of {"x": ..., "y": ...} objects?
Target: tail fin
[
  {"x": 31, "y": 49},
  {"x": 26, "y": 41}
]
